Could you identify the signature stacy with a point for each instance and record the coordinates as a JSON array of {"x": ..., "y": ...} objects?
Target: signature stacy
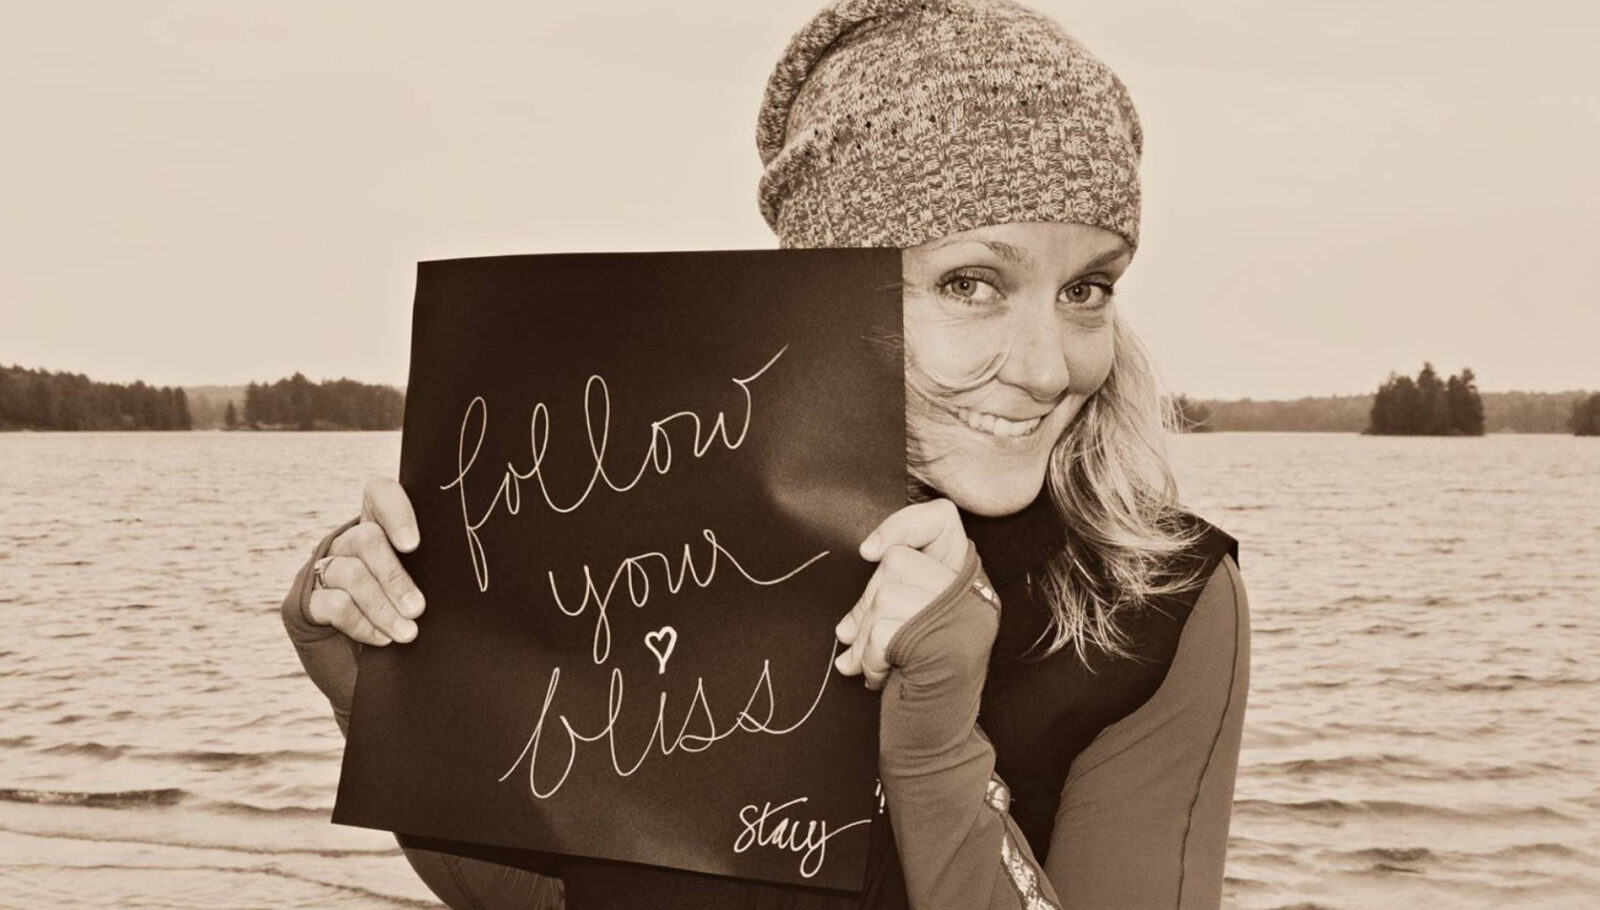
[{"x": 767, "y": 825}]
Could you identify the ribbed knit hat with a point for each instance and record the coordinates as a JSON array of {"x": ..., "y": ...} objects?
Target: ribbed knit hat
[{"x": 892, "y": 122}]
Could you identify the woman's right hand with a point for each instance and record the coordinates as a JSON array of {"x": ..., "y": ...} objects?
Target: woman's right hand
[{"x": 369, "y": 596}]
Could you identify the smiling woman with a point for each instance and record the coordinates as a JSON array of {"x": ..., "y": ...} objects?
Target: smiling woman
[{"x": 1063, "y": 650}]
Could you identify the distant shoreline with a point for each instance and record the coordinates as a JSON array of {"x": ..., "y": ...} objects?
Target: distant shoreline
[{"x": 289, "y": 404}]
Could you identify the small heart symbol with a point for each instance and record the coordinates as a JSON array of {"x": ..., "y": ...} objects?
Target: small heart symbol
[{"x": 652, "y": 640}]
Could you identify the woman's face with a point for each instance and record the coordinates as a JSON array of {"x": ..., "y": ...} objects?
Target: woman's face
[{"x": 1013, "y": 325}]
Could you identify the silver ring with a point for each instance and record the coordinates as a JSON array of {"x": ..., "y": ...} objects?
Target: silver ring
[{"x": 318, "y": 580}]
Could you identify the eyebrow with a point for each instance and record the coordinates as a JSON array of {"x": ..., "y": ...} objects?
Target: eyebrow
[
  {"x": 1103, "y": 260},
  {"x": 1017, "y": 256},
  {"x": 1008, "y": 253}
]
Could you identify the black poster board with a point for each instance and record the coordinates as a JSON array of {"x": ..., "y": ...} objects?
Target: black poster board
[{"x": 640, "y": 479}]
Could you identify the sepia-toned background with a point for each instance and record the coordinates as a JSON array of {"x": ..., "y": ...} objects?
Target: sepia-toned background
[{"x": 204, "y": 195}]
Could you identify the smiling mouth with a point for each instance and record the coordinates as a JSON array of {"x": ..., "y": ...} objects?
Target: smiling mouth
[{"x": 995, "y": 425}]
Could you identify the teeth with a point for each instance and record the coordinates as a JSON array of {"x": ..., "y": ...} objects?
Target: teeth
[{"x": 997, "y": 426}]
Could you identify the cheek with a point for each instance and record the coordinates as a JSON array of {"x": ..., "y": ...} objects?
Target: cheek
[
  {"x": 947, "y": 347},
  {"x": 955, "y": 354},
  {"x": 1089, "y": 360}
]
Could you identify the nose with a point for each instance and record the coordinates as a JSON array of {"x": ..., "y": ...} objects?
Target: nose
[{"x": 1037, "y": 358}]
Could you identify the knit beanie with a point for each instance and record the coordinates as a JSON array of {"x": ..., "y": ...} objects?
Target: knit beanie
[{"x": 892, "y": 122}]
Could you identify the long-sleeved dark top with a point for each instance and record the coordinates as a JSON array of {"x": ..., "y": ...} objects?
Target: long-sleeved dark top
[{"x": 1012, "y": 780}]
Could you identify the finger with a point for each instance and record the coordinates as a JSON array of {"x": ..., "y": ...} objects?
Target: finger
[
  {"x": 384, "y": 501},
  {"x": 367, "y": 542},
  {"x": 845, "y": 631},
  {"x": 334, "y": 607},
  {"x": 903, "y": 565},
  {"x": 893, "y": 603},
  {"x": 353, "y": 576},
  {"x": 934, "y": 527},
  {"x": 900, "y": 564},
  {"x": 874, "y": 660}
]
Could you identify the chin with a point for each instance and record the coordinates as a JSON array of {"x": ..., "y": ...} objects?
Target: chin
[
  {"x": 985, "y": 474},
  {"x": 987, "y": 489}
]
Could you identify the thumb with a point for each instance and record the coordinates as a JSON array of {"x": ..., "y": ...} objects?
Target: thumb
[{"x": 934, "y": 527}]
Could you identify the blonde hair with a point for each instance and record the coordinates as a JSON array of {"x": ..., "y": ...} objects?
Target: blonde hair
[{"x": 1113, "y": 492}]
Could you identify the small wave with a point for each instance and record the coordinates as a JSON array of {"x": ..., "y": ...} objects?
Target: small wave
[
  {"x": 116, "y": 799},
  {"x": 1392, "y": 859},
  {"x": 1395, "y": 854},
  {"x": 1401, "y": 766},
  {"x": 273, "y": 870},
  {"x": 15, "y": 742},
  {"x": 1524, "y": 851},
  {"x": 221, "y": 759},
  {"x": 252, "y": 850},
  {"x": 1360, "y": 600},
  {"x": 1302, "y": 684},
  {"x": 1385, "y": 628},
  {"x": 247, "y": 810},
  {"x": 1337, "y": 763},
  {"x": 1511, "y": 597},
  {"x": 1508, "y": 681},
  {"x": 1398, "y": 809},
  {"x": 92, "y": 750}
]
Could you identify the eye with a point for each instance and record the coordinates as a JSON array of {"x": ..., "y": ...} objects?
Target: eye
[
  {"x": 969, "y": 288},
  {"x": 1087, "y": 293}
]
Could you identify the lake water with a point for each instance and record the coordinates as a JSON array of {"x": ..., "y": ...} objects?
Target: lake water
[{"x": 1423, "y": 729}]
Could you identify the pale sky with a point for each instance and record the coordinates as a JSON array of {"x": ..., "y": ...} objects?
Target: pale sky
[{"x": 217, "y": 192}]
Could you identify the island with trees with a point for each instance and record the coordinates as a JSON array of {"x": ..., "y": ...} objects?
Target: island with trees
[{"x": 1427, "y": 405}]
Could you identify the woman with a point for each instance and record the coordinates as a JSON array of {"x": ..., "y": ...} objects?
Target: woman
[{"x": 1078, "y": 745}]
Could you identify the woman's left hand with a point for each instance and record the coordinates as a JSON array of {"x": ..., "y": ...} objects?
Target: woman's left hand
[{"x": 919, "y": 551}]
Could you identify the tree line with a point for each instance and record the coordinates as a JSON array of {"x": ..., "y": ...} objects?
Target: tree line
[
  {"x": 1427, "y": 405},
  {"x": 1191, "y": 416},
  {"x": 297, "y": 403},
  {"x": 46, "y": 400},
  {"x": 1503, "y": 412},
  {"x": 1585, "y": 419},
  {"x": 33, "y": 399}
]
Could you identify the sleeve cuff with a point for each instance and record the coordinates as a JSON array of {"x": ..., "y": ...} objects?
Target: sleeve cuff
[{"x": 971, "y": 581}]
